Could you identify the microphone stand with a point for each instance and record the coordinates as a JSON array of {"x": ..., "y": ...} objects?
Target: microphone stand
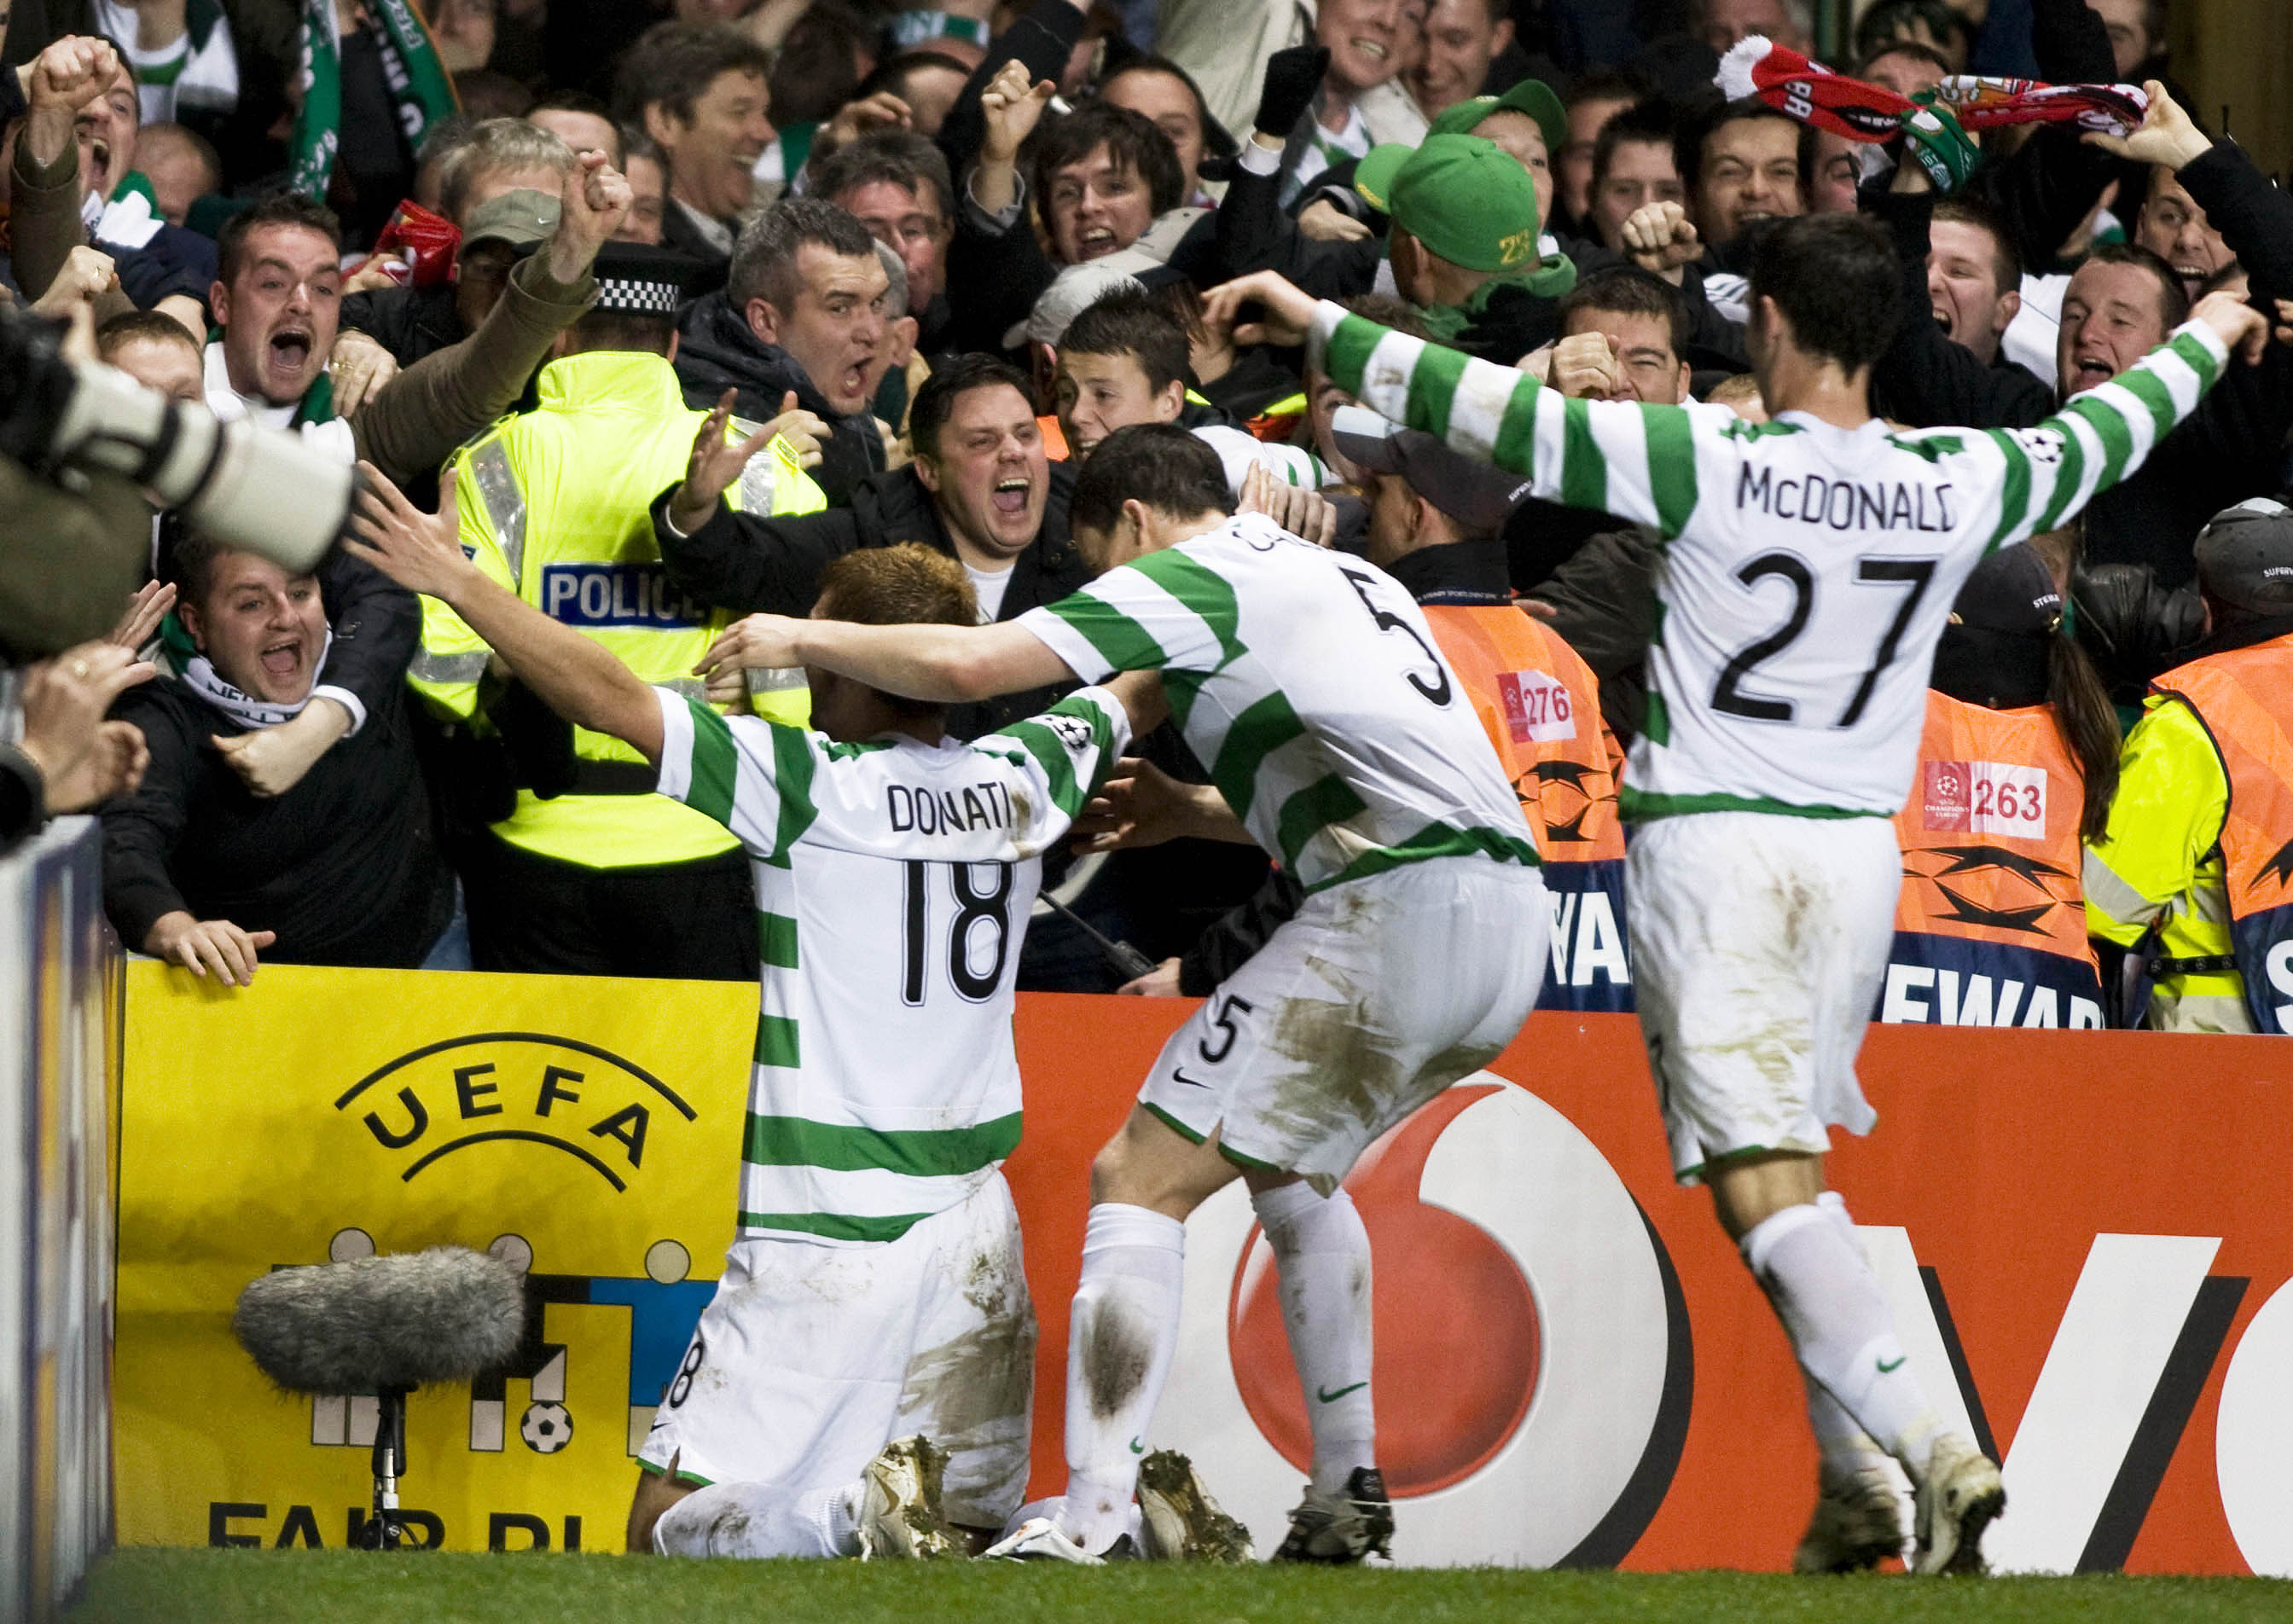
[{"x": 385, "y": 1532}]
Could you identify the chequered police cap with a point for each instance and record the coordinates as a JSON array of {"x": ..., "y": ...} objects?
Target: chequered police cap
[{"x": 638, "y": 279}]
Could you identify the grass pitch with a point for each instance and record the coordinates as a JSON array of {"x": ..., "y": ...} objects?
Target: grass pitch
[{"x": 158, "y": 1587}]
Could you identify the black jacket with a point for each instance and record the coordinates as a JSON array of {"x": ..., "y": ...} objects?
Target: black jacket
[
  {"x": 750, "y": 563},
  {"x": 2230, "y": 450},
  {"x": 409, "y": 322},
  {"x": 677, "y": 231},
  {"x": 716, "y": 350},
  {"x": 345, "y": 866}
]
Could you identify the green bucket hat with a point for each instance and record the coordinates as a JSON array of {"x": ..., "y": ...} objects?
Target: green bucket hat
[
  {"x": 1534, "y": 97},
  {"x": 1464, "y": 197}
]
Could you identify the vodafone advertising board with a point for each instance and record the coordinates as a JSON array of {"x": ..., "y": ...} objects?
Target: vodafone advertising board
[{"x": 2081, "y": 1232}]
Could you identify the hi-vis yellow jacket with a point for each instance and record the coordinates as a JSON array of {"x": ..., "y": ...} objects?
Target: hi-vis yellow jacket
[
  {"x": 2205, "y": 843},
  {"x": 555, "y": 504}
]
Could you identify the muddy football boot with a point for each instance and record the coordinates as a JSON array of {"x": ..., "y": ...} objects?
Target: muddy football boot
[
  {"x": 1958, "y": 1495},
  {"x": 1178, "y": 1519},
  {"x": 1342, "y": 1528},
  {"x": 1858, "y": 1524},
  {"x": 900, "y": 1516}
]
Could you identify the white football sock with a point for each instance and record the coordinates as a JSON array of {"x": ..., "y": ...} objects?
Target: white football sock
[
  {"x": 1121, "y": 1333},
  {"x": 1321, "y": 1255},
  {"x": 1813, "y": 1271},
  {"x": 1846, "y": 1447},
  {"x": 759, "y": 1519}
]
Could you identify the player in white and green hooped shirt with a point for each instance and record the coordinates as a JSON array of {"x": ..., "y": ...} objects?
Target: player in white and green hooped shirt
[
  {"x": 1807, "y": 568},
  {"x": 1341, "y": 742},
  {"x": 874, "y": 1297}
]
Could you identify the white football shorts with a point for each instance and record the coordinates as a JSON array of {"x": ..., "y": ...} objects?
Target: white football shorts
[
  {"x": 1378, "y": 994},
  {"x": 1759, "y": 944},
  {"x": 810, "y": 1359}
]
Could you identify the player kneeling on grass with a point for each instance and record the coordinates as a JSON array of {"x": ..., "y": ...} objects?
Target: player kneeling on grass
[
  {"x": 1344, "y": 745},
  {"x": 862, "y": 1379},
  {"x": 1808, "y": 570}
]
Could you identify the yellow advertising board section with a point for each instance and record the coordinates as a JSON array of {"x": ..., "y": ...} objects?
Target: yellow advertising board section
[{"x": 587, "y": 1131}]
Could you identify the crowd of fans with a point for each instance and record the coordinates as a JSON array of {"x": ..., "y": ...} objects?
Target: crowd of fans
[{"x": 907, "y": 269}]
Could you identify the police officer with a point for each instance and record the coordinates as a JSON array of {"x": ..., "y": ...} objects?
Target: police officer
[
  {"x": 2192, "y": 872},
  {"x": 583, "y": 869},
  {"x": 2016, "y": 760}
]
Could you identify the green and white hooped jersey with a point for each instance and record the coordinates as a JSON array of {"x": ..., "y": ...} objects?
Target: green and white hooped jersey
[
  {"x": 1310, "y": 686},
  {"x": 1239, "y": 451},
  {"x": 894, "y": 881},
  {"x": 1808, "y": 570}
]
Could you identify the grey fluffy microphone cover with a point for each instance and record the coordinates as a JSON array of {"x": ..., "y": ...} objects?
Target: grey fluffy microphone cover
[{"x": 443, "y": 1315}]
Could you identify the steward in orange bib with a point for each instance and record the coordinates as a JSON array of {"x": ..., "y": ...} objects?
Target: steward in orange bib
[
  {"x": 2018, "y": 754},
  {"x": 2192, "y": 873}
]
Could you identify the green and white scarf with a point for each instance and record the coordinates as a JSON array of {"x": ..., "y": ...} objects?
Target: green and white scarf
[{"x": 418, "y": 83}]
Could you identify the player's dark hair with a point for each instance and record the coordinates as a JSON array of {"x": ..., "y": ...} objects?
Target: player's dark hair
[
  {"x": 2005, "y": 258},
  {"x": 1655, "y": 122},
  {"x": 1627, "y": 290},
  {"x": 1133, "y": 141},
  {"x": 2173, "y": 298},
  {"x": 1688, "y": 145},
  {"x": 1836, "y": 279},
  {"x": 279, "y": 208},
  {"x": 934, "y": 402},
  {"x": 1158, "y": 464},
  {"x": 1133, "y": 322}
]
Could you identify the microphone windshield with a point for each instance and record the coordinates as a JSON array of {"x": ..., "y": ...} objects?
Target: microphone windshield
[{"x": 444, "y": 1315}]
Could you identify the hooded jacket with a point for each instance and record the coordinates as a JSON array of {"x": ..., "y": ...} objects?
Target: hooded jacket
[{"x": 716, "y": 350}]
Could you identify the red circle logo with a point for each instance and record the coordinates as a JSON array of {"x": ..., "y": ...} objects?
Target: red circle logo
[{"x": 1455, "y": 1324}]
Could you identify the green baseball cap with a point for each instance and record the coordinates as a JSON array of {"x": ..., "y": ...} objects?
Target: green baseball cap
[
  {"x": 1464, "y": 197},
  {"x": 1534, "y": 97},
  {"x": 523, "y": 219}
]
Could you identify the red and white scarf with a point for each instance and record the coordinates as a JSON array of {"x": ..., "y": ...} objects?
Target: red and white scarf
[{"x": 1814, "y": 94}]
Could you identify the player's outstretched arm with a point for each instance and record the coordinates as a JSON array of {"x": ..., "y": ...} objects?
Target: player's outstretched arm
[
  {"x": 946, "y": 663},
  {"x": 1636, "y": 461},
  {"x": 579, "y": 679},
  {"x": 2103, "y": 435}
]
